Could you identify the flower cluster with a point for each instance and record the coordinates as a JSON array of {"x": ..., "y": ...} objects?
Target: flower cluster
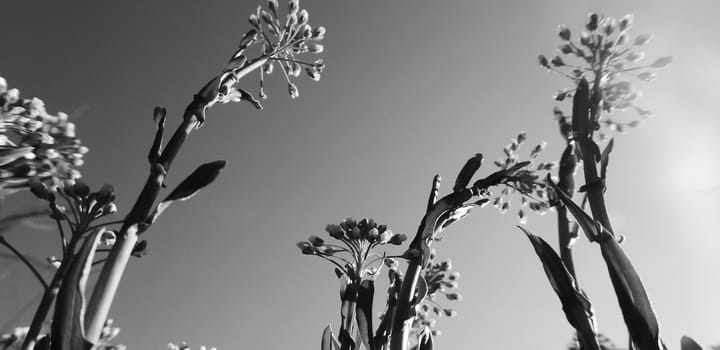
[
  {"x": 523, "y": 177},
  {"x": 358, "y": 239},
  {"x": 184, "y": 346},
  {"x": 282, "y": 40},
  {"x": 84, "y": 206},
  {"x": 440, "y": 282},
  {"x": 14, "y": 340},
  {"x": 34, "y": 143},
  {"x": 608, "y": 55}
]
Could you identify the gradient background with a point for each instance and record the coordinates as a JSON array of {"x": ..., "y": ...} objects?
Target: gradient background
[{"x": 413, "y": 88}]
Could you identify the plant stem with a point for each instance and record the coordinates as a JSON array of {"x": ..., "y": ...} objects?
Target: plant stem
[
  {"x": 107, "y": 284},
  {"x": 32, "y": 268},
  {"x": 564, "y": 240},
  {"x": 49, "y": 296}
]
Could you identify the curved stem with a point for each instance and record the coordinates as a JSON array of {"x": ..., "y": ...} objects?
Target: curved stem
[{"x": 32, "y": 268}]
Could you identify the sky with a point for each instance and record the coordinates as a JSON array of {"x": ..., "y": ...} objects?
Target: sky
[{"x": 412, "y": 89}]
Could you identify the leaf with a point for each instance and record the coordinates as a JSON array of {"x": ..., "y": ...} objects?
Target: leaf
[
  {"x": 633, "y": 300},
  {"x": 159, "y": 119},
  {"x": 421, "y": 290},
  {"x": 577, "y": 308},
  {"x": 687, "y": 343},
  {"x": 67, "y": 326},
  {"x": 9, "y": 154},
  {"x": 605, "y": 158},
  {"x": 327, "y": 339},
  {"x": 591, "y": 228},
  {"x": 364, "y": 314},
  {"x": 468, "y": 171},
  {"x": 246, "y": 96},
  {"x": 203, "y": 176},
  {"x": 426, "y": 341}
]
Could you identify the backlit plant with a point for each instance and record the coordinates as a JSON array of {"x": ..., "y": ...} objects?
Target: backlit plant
[{"x": 606, "y": 56}]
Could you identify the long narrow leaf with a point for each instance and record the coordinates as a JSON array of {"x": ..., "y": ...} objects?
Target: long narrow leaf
[
  {"x": 364, "y": 315},
  {"x": 327, "y": 339},
  {"x": 468, "y": 171},
  {"x": 605, "y": 158},
  {"x": 159, "y": 119},
  {"x": 203, "y": 176},
  {"x": 634, "y": 302},
  {"x": 577, "y": 307}
]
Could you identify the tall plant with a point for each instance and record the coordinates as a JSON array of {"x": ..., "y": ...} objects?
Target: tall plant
[
  {"x": 406, "y": 322},
  {"x": 278, "y": 38},
  {"x": 606, "y": 58}
]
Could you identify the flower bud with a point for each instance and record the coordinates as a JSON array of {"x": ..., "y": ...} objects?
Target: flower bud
[
  {"x": 293, "y": 90},
  {"x": 303, "y": 17},
  {"x": 335, "y": 231},
  {"x": 254, "y": 21},
  {"x": 564, "y": 32},
  {"x": 38, "y": 188},
  {"x": 81, "y": 189},
  {"x": 397, "y": 239},
  {"x": 592, "y": 21},
  {"x": 316, "y": 241},
  {"x": 316, "y": 48},
  {"x": 318, "y": 33}
]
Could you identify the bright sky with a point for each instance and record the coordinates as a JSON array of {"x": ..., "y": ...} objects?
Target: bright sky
[{"x": 412, "y": 89}]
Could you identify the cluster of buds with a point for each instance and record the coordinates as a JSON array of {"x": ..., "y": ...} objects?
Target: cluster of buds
[
  {"x": 440, "y": 282},
  {"x": 85, "y": 206},
  {"x": 184, "y": 346},
  {"x": 34, "y": 143},
  {"x": 523, "y": 177},
  {"x": 282, "y": 39},
  {"x": 359, "y": 238},
  {"x": 607, "y": 55}
]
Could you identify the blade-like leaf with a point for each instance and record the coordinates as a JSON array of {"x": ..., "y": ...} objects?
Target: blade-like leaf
[
  {"x": 591, "y": 228},
  {"x": 159, "y": 119},
  {"x": 468, "y": 171},
  {"x": 687, "y": 343},
  {"x": 364, "y": 314},
  {"x": 577, "y": 307},
  {"x": 326, "y": 342},
  {"x": 203, "y": 176},
  {"x": 633, "y": 300},
  {"x": 67, "y": 327},
  {"x": 8, "y": 154},
  {"x": 605, "y": 158},
  {"x": 200, "y": 178},
  {"x": 421, "y": 290}
]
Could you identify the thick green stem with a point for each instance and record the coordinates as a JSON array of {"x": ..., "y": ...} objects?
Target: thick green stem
[
  {"x": 106, "y": 287},
  {"x": 403, "y": 318},
  {"x": 564, "y": 238}
]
